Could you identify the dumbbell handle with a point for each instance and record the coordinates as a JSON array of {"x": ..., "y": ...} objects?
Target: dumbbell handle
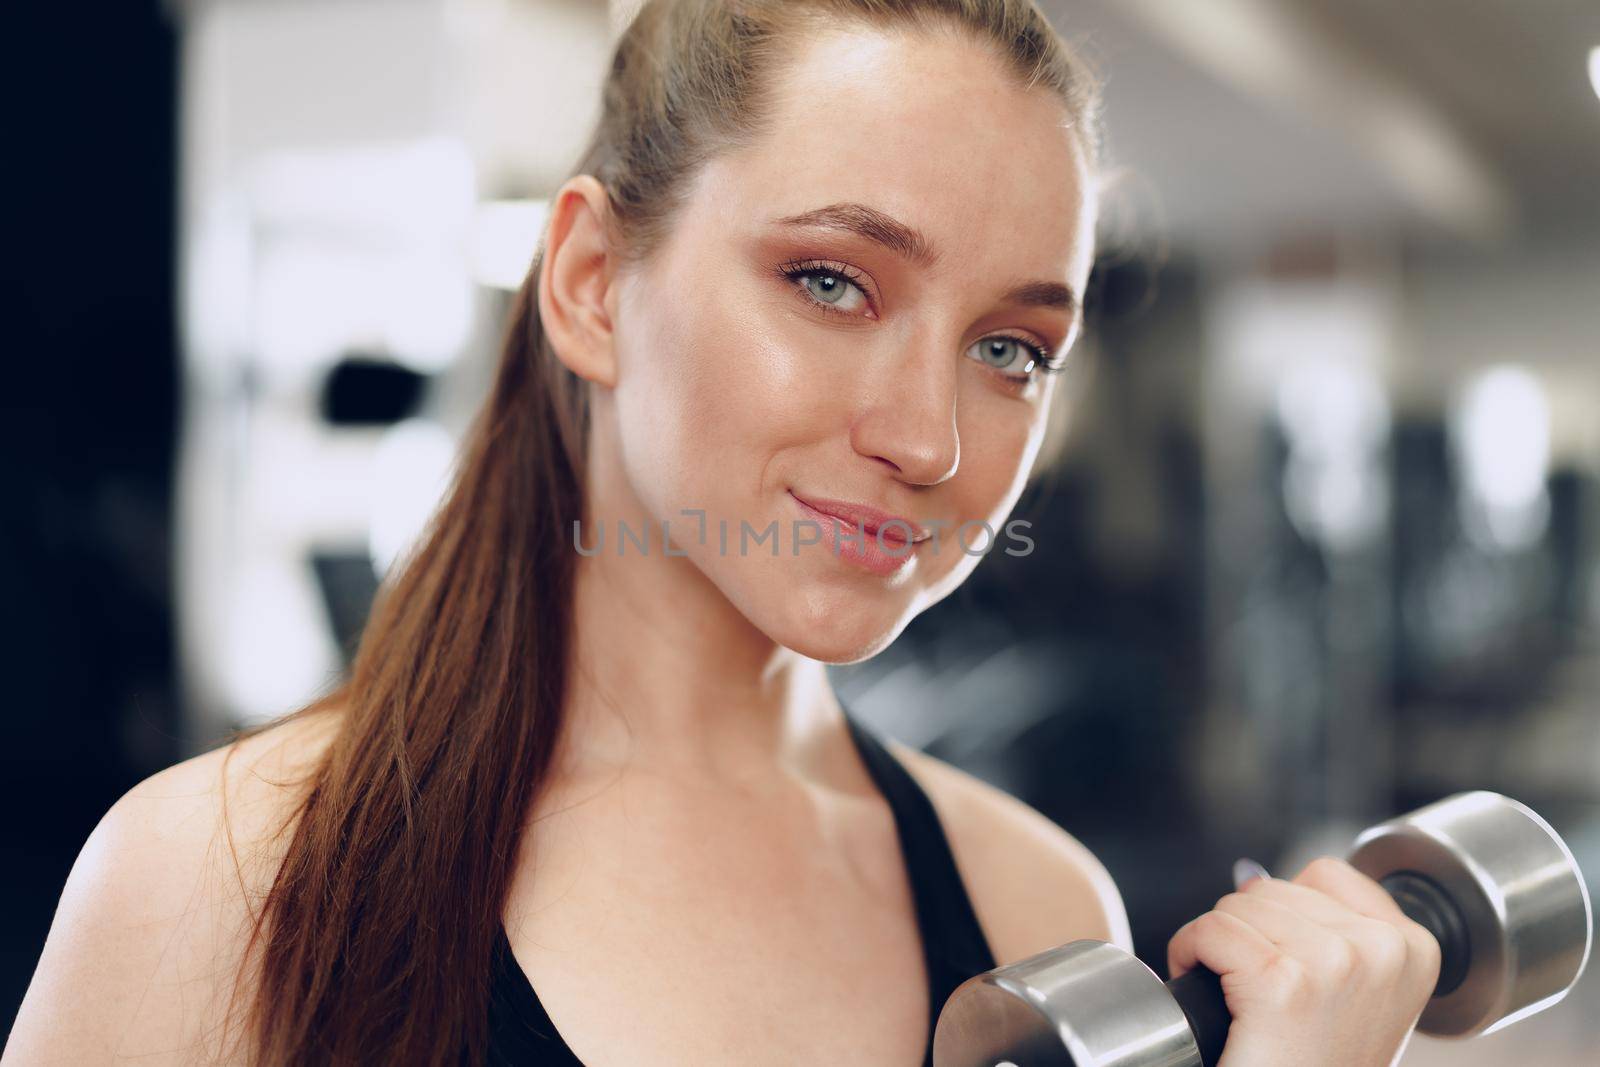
[{"x": 1199, "y": 991}]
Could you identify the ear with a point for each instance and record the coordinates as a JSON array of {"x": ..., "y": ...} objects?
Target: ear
[{"x": 576, "y": 294}]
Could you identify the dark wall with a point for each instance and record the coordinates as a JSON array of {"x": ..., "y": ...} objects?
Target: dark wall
[{"x": 88, "y": 400}]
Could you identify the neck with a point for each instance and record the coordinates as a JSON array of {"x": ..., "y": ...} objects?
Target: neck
[{"x": 668, "y": 676}]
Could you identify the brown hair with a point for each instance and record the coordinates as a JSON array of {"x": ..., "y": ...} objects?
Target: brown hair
[{"x": 376, "y": 935}]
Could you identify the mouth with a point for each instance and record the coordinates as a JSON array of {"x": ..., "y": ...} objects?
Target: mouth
[
  {"x": 883, "y": 551},
  {"x": 875, "y": 522}
]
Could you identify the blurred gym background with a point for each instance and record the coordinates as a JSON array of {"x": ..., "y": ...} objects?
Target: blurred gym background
[{"x": 1319, "y": 542}]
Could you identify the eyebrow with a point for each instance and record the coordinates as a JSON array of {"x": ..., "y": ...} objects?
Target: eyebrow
[{"x": 910, "y": 243}]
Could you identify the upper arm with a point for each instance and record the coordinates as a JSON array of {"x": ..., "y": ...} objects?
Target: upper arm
[
  {"x": 1033, "y": 885},
  {"x": 120, "y": 967},
  {"x": 148, "y": 935},
  {"x": 1090, "y": 876}
]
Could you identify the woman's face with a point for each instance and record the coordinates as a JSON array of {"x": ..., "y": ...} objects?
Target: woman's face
[{"x": 845, "y": 313}]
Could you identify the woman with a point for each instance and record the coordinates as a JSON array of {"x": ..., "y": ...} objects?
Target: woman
[{"x": 818, "y": 263}]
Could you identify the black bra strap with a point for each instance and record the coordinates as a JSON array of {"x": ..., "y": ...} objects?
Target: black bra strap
[{"x": 954, "y": 939}]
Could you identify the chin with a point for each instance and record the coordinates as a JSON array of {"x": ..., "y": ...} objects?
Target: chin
[
  {"x": 840, "y": 653},
  {"x": 831, "y": 631}
]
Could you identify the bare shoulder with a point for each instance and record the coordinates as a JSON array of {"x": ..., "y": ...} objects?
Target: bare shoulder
[
  {"x": 149, "y": 933},
  {"x": 1032, "y": 884}
]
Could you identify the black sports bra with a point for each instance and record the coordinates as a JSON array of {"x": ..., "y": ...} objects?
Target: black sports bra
[{"x": 953, "y": 945}]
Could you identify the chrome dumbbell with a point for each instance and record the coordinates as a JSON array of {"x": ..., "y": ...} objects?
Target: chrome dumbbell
[{"x": 1485, "y": 874}]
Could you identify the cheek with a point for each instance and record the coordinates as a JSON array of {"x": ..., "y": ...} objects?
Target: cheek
[
  {"x": 706, "y": 396},
  {"x": 998, "y": 447}
]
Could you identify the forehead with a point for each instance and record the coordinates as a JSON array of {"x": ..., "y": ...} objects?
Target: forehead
[{"x": 930, "y": 129}]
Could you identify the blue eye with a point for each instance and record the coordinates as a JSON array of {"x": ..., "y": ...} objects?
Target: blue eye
[
  {"x": 828, "y": 286},
  {"x": 1017, "y": 357}
]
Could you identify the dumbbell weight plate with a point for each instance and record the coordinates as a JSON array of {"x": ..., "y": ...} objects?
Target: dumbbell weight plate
[
  {"x": 1121, "y": 1014},
  {"x": 1518, "y": 890}
]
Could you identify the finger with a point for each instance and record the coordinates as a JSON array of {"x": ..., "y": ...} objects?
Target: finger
[
  {"x": 1301, "y": 937},
  {"x": 1246, "y": 869},
  {"x": 1221, "y": 942},
  {"x": 1310, "y": 902},
  {"x": 1386, "y": 946},
  {"x": 1342, "y": 882},
  {"x": 1317, "y": 906},
  {"x": 1416, "y": 945}
]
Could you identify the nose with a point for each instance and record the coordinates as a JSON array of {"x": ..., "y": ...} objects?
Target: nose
[{"x": 909, "y": 421}]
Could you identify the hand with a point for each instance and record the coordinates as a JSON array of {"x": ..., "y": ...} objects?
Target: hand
[{"x": 1323, "y": 970}]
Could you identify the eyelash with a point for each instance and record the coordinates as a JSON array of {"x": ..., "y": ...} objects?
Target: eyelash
[{"x": 797, "y": 269}]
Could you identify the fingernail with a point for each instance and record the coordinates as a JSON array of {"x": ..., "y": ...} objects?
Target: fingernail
[{"x": 1244, "y": 870}]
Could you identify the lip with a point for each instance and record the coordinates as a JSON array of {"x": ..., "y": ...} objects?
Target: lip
[
  {"x": 882, "y": 551},
  {"x": 868, "y": 518}
]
